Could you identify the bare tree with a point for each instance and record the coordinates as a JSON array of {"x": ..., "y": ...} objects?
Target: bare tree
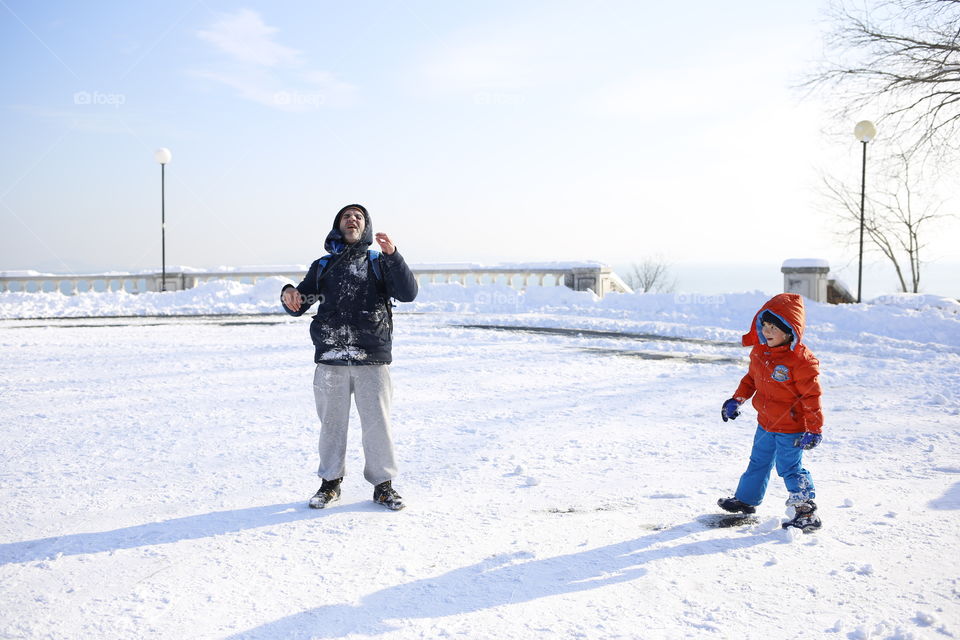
[
  {"x": 651, "y": 275},
  {"x": 895, "y": 220},
  {"x": 902, "y": 59}
]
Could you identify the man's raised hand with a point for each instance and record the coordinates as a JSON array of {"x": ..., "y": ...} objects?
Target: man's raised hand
[{"x": 386, "y": 244}]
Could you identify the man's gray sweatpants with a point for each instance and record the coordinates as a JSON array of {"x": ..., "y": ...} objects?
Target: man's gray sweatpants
[{"x": 371, "y": 386}]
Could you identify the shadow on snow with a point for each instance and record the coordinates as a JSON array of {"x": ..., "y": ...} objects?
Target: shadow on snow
[
  {"x": 165, "y": 532},
  {"x": 501, "y": 580},
  {"x": 949, "y": 500}
]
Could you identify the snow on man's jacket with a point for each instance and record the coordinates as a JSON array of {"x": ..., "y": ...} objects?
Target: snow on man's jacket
[
  {"x": 783, "y": 381},
  {"x": 353, "y": 323}
]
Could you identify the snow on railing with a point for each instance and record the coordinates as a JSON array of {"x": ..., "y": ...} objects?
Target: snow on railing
[{"x": 579, "y": 276}]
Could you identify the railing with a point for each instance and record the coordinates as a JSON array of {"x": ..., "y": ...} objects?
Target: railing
[
  {"x": 580, "y": 277},
  {"x": 130, "y": 282},
  {"x": 597, "y": 278}
]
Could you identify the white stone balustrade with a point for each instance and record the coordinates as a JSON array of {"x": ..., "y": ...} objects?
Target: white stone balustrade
[{"x": 594, "y": 277}]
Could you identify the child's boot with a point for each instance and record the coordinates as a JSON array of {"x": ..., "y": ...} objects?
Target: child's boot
[
  {"x": 805, "y": 516},
  {"x": 735, "y": 506}
]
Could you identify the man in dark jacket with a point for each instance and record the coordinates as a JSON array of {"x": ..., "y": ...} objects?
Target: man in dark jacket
[{"x": 352, "y": 332}]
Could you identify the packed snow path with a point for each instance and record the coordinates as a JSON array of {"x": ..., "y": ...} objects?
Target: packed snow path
[{"x": 155, "y": 475}]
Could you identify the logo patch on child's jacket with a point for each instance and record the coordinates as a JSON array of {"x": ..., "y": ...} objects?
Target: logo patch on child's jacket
[{"x": 780, "y": 373}]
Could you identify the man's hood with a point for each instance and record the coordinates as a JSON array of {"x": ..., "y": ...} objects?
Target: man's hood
[
  {"x": 334, "y": 242},
  {"x": 786, "y": 306}
]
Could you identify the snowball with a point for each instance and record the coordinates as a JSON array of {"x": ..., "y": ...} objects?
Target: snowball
[
  {"x": 770, "y": 525},
  {"x": 860, "y": 633},
  {"x": 847, "y": 502},
  {"x": 532, "y": 482},
  {"x": 790, "y": 534},
  {"x": 926, "y": 619}
]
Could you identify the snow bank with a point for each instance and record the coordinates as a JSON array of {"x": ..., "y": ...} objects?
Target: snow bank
[
  {"x": 917, "y": 301},
  {"x": 926, "y": 319},
  {"x": 913, "y": 318},
  {"x": 210, "y": 298}
]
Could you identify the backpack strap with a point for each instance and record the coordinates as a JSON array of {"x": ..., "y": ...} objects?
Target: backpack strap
[
  {"x": 322, "y": 267},
  {"x": 374, "y": 256}
]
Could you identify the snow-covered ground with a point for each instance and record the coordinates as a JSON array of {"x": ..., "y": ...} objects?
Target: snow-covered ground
[{"x": 154, "y": 473}]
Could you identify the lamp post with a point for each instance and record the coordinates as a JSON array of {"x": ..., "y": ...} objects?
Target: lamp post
[
  {"x": 163, "y": 156},
  {"x": 865, "y": 131}
]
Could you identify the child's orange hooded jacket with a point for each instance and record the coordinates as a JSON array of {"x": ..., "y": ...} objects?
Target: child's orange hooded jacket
[{"x": 784, "y": 379}]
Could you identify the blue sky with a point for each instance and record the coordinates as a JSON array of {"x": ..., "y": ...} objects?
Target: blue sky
[{"x": 473, "y": 131}]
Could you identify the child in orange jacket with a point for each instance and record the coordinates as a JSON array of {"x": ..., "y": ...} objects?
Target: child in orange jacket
[{"x": 783, "y": 380}]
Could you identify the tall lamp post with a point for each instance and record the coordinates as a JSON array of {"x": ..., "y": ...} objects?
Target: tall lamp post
[
  {"x": 163, "y": 156},
  {"x": 865, "y": 131}
]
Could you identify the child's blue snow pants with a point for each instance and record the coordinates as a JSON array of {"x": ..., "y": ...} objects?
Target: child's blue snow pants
[{"x": 774, "y": 448}]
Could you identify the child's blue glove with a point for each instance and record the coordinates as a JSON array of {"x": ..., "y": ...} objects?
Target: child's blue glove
[
  {"x": 730, "y": 410},
  {"x": 808, "y": 440}
]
